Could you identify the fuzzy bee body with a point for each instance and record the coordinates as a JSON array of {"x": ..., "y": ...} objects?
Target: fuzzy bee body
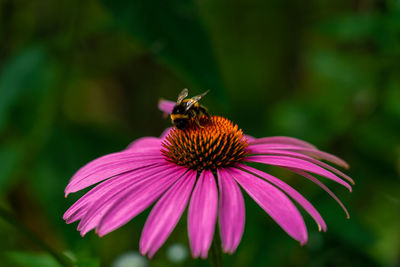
[{"x": 186, "y": 109}]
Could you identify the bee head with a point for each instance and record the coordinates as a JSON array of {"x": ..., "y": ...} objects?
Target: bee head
[{"x": 179, "y": 109}]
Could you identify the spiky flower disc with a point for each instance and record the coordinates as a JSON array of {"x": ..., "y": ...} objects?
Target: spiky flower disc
[{"x": 217, "y": 143}]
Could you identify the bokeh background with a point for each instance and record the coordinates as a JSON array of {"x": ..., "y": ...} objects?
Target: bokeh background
[{"x": 80, "y": 79}]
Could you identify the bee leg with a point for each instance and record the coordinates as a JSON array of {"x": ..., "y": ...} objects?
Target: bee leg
[
  {"x": 196, "y": 120},
  {"x": 193, "y": 115},
  {"x": 204, "y": 111}
]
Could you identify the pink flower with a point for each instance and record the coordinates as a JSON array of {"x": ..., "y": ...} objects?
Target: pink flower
[{"x": 204, "y": 169}]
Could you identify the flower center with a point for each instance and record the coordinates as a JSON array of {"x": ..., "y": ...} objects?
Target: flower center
[{"x": 218, "y": 143}]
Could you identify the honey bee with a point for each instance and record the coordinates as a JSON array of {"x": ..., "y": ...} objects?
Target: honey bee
[{"x": 186, "y": 109}]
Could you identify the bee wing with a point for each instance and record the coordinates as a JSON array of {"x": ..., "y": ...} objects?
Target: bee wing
[
  {"x": 182, "y": 95},
  {"x": 194, "y": 100}
]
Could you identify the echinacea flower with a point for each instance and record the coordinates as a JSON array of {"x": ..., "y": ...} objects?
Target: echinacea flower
[{"x": 202, "y": 168}]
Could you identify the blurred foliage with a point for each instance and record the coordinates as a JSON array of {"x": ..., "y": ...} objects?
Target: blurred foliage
[{"x": 79, "y": 79}]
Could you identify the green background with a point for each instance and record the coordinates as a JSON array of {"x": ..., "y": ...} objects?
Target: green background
[{"x": 80, "y": 79}]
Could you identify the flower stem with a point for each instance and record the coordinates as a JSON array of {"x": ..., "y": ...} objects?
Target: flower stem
[
  {"x": 216, "y": 251},
  {"x": 8, "y": 217}
]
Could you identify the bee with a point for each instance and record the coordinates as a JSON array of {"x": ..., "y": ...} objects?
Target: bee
[{"x": 186, "y": 109}]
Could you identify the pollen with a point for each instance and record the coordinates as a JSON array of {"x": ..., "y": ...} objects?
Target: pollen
[{"x": 216, "y": 143}]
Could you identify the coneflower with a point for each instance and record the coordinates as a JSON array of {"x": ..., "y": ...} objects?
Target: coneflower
[{"x": 202, "y": 168}]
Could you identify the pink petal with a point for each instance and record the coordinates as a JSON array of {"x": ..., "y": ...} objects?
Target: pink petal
[
  {"x": 166, "y": 132},
  {"x": 80, "y": 207},
  {"x": 282, "y": 140},
  {"x": 274, "y": 202},
  {"x": 144, "y": 143},
  {"x": 261, "y": 150},
  {"x": 166, "y": 106},
  {"x": 291, "y": 192},
  {"x": 202, "y": 214},
  {"x": 118, "y": 182},
  {"x": 323, "y": 155},
  {"x": 76, "y": 214},
  {"x": 112, "y": 191},
  {"x": 136, "y": 199},
  {"x": 110, "y": 165},
  {"x": 309, "y": 151},
  {"x": 250, "y": 138},
  {"x": 231, "y": 211},
  {"x": 288, "y": 162},
  {"x": 165, "y": 214},
  {"x": 315, "y": 180}
]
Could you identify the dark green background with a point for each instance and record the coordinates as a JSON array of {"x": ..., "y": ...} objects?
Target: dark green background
[{"x": 80, "y": 79}]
